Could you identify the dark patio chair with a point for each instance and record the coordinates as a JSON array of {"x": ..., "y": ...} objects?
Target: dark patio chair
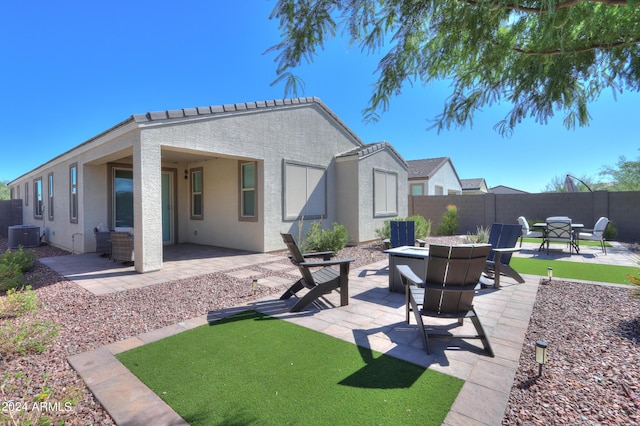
[
  {"x": 453, "y": 275},
  {"x": 317, "y": 276},
  {"x": 560, "y": 230},
  {"x": 121, "y": 247},
  {"x": 103, "y": 242},
  {"x": 503, "y": 238}
]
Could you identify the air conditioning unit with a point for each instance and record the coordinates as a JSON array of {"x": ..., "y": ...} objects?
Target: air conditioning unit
[{"x": 24, "y": 235}]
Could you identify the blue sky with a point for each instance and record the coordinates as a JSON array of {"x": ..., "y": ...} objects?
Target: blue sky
[{"x": 72, "y": 69}]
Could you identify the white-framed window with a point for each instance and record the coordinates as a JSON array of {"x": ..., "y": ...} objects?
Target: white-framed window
[
  {"x": 38, "y": 202},
  {"x": 73, "y": 193},
  {"x": 197, "y": 194},
  {"x": 385, "y": 193},
  {"x": 417, "y": 189},
  {"x": 18, "y": 191},
  {"x": 248, "y": 191},
  {"x": 305, "y": 191},
  {"x": 438, "y": 190},
  {"x": 50, "y": 195}
]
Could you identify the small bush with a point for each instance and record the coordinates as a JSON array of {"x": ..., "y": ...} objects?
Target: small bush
[
  {"x": 17, "y": 303},
  {"x": 319, "y": 239},
  {"x": 422, "y": 226},
  {"x": 611, "y": 232},
  {"x": 25, "y": 260},
  {"x": 34, "y": 395},
  {"x": 24, "y": 337},
  {"x": 449, "y": 224},
  {"x": 480, "y": 237},
  {"x": 10, "y": 276}
]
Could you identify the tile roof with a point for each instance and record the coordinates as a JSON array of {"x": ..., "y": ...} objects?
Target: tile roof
[
  {"x": 220, "y": 109},
  {"x": 370, "y": 149},
  {"x": 501, "y": 189},
  {"x": 187, "y": 113},
  {"x": 176, "y": 114},
  {"x": 475, "y": 183},
  {"x": 427, "y": 167}
]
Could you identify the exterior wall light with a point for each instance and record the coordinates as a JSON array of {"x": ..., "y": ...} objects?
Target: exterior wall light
[{"x": 541, "y": 355}]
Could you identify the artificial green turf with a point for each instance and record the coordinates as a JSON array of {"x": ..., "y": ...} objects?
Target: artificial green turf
[
  {"x": 582, "y": 242},
  {"x": 254, "y": 369},
  {"x": 575, "y": 270}
]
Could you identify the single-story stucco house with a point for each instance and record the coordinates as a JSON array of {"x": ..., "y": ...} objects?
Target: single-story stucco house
[
  {"x": 231, "y": 175},
  {"x": 433, "y": 176}
]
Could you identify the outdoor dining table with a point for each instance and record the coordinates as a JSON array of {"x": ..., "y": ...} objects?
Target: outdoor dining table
[
  {"x": 574, "y": 227},
  {"x": 415, "y": 257}
]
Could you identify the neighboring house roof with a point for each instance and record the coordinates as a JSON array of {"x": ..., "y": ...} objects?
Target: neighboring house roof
[
  {"x": 187, "y": 114},
  {"x": 427, "y": 167},
  {"x": 472, "y": 184},
  {"x": 501, "y": 189},
  {"x": 370, "y": 149}
]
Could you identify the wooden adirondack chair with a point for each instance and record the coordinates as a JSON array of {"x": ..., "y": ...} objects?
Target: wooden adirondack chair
[
  {"x": 503, "y": 239},
  {"x": 453, "y": 275},
  {"x": 319, "y": 281}
]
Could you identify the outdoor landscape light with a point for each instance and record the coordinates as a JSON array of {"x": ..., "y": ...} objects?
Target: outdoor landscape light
[
  {"x": 549, "y": 273},
  {"x": 541, "y": 355},
  {"x": 254, "y": 284}
]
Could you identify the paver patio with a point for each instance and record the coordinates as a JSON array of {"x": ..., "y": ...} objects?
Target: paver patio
[{"x": 373, "y": 319}]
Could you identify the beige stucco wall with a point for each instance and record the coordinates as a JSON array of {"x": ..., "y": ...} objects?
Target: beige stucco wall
[
  {"x": 305, "y": 133},
  {"x": 387, "y": 162},
  {"x": 299, "y": 133},
  {"x": 92, "y": 190}
]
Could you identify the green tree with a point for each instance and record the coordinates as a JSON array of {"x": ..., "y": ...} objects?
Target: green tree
[
  {"x": 5, "y": 194},
  {"x": 625, "y": 175},
  {"x": 540, "y": 56}
]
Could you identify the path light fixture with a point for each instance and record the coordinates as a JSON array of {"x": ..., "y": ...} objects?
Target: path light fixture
[
  {"x": 549, "y": 273},
  {"x": 541, "y": 355},
  {"x": 254, "y": 284}
]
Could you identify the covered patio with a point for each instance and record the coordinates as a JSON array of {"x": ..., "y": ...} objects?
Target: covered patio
[{"x": 100, "y": 275}]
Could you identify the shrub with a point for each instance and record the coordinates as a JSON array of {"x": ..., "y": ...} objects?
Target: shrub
[
  {"x": 35, "y": 394},
  {"x": 24, "y": 259},
  {"x": 480, "y": 237},
  {"x": 449, "y": 224},
  {"x": 17, "y": 303},
  {"x": 10, "y": 276},
  {"x": 23, "y": 337},
  {"x": 384, "y": 233},
  {"x": 611, "y": 232},
  {"x": 422, "y": 226},
  {"x": 319, "y": 239},
  {"x": 20, "y": 335}
]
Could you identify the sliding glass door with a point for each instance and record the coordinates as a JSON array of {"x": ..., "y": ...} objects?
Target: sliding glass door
[{"x": 123, "y": 198}]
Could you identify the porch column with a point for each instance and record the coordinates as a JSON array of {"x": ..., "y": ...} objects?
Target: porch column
[{"x": 147, "y": 195}]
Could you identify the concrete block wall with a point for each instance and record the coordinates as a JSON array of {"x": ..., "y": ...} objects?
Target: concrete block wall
[{"x": 623, "y": 208}]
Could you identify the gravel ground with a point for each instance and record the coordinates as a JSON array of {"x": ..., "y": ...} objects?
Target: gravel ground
[{"x": 593, "y": 335}]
